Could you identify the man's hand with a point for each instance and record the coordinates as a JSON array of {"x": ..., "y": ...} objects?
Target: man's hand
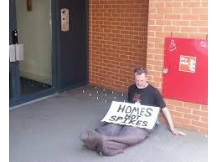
[
  {"x": 177, "y": 132},
  {"x": 167, "y": 114}
]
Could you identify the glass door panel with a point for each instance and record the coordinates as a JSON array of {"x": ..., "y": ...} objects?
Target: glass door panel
[
  {"x": 33, "y": 20},
  {"x": 30, "y": 27}
]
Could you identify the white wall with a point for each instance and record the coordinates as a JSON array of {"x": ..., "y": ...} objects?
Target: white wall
[{"x": 34, "y": 31}]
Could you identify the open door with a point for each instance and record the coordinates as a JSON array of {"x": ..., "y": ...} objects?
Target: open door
[{"x": 30, "y": 45}]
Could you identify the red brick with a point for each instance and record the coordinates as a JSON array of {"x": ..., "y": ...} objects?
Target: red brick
[
  {"x": 192, "y": 117},
  {"x": 192, "y": 105},
  {"x": 200, "y": 113},
  {"x": 163, "y": 34},
  {"x": 191, "y": 4},
  {"x": 162, "y": 22},
  {"x": 182, "y": 10},
  {"x": 155, "y": 16},
  {"x": 161, "y": 10},
  {"x": 155, "y": 62},
  {"x": 197, "y": 35},
  {"x": 171, "y": 29},
  {"x": 200, "y": 124},
  {"x": 181, "y": 120},
  {"x": 151, "y": 45},
  {"x": 203, "y": 30},
  {"x": 199, "y": 23},
  {"x": 180, "y": 23},
  {"x": 155, "y": 28},
  {"x": 175, "y": 113},
  {"x": 158, "y": 57},
  {"x": 191, "y": 127},
  {"x": 173, "y": 4},
  {"x": 157, "y": 79},
  {"x": 173, "y": 16},
  {"x": 203, "y": 17},
  {"x": 183, "y": 110},
  {"x": 203, "y": 130},
  {"x": 190, "y": 29},
  {"x": 158, "y": 68},
  {"x": 204, "y": 4},
  {"x": 188, "y": 17},
  {"x": 200, "y": 10},
  {"x": 203, "y": 119},
  {"x": 204, "y": 107},
  {"x": 175, "y": 103}
]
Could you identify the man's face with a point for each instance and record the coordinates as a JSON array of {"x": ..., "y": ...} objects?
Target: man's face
[{"x": 140, "y": 80}]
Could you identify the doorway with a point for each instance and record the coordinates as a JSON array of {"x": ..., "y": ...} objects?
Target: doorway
[
  {"x": 54, "y": 60},
  {"x": 31, "y": 69},
  {"x": 73, "y": 44}
]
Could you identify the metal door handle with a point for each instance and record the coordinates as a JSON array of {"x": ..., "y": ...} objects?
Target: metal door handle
[{"x": 16, "y": 52}]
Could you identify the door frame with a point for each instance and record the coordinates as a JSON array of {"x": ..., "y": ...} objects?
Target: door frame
[
  {"x": 58, "y": 31},
  {"x": 17, "y": 99}
]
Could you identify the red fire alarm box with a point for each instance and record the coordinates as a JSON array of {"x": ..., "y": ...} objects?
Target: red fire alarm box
[{"x": 185, "y": 73}]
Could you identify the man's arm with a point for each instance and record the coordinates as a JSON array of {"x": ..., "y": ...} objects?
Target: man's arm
[{"x": 168, "y": 117}]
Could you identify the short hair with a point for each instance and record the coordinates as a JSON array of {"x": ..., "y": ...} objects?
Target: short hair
[{"x": 140, "y": 70}]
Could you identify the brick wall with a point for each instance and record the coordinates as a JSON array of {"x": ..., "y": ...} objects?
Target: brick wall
[
  {"x": 117, "y": 41},
  {"x": 182, "y": 18}
]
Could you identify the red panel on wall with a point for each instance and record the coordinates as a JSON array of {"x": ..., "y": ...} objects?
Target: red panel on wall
[{"x": 185, "y": 73}]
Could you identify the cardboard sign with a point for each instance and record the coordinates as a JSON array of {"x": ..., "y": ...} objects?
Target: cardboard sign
[{"x": 132, "y": 114}]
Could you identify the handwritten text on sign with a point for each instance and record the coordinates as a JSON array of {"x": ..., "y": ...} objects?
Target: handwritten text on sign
[{"x": 132, "y": 114}]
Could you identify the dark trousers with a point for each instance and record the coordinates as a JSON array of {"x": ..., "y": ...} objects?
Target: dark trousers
[{"x": 112, "y": 139}]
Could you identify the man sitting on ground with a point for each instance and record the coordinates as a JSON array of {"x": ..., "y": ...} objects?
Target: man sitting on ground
[{"x": 112, "y": 139}]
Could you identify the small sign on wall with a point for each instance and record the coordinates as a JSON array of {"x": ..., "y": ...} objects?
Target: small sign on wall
[{"x": 187, "y": 64}]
